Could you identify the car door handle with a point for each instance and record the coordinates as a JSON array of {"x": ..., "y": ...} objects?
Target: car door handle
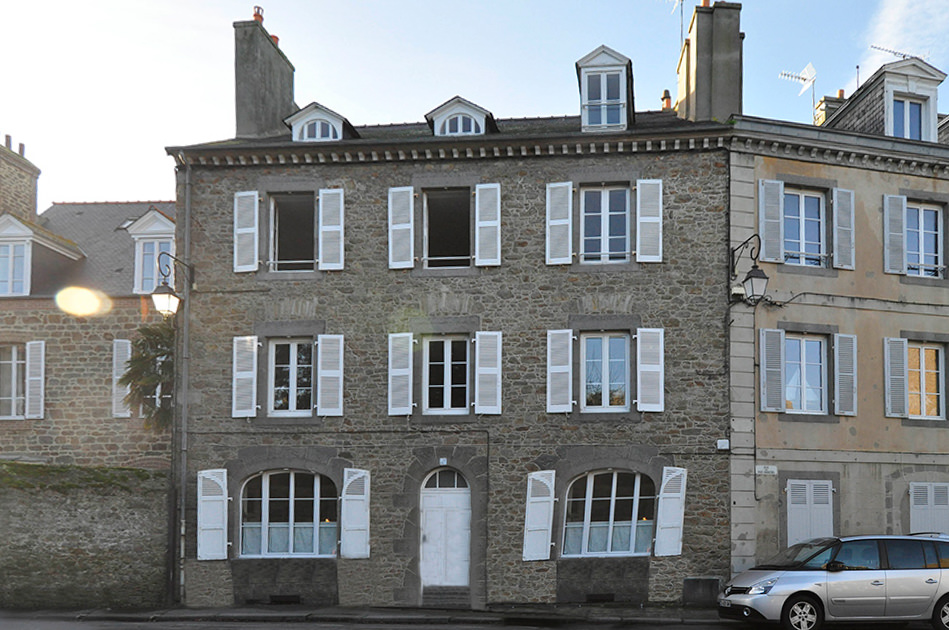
[
  {"x": 876, "y": 583},
  {"x": 932, "y": 581}
]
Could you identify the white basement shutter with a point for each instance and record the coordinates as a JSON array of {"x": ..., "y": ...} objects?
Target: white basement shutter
[
  {"x": 121, "y": 353},
  {"x": 244, "y": 378},
  {"x": 329, "y": 375},
  {"x": 929, "y": 507},
  {"x": 845, "y": 375},
  {"x": 487, "y": 225},
  {"x": 400, "y": 374},
  {"x": 649, "y": 220},
  {"x": 771, "y": 353},
  {"x": 539, "y": 515},
  {"x": 560, "y": 223},
  {"x": 895, "y": 359},
  {"x": 843, "y": 229},
  {"x": 671, "y": 512},
  {"x": 894, "y": 228},
  {"x": 810, "y": 509},
  {"x": 246, "y": 206},
  {"x": 771, "y": 219},
  {"x": 401, "y": 228},
  {"x": 35, "y": 379},
  {"x": 354, "y": 514},
  {"x": 487, "y": 373},
  {"x": 212, "y": 514},
  {"x": 559, "y": 371},
  {"x": 650, "y": 369},
  {"x": 331, "y": 229}
]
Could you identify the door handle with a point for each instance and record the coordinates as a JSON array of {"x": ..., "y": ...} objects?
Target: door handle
[
  {"x": 876, "y": 583},
  {"x": 932, "y": 581}
]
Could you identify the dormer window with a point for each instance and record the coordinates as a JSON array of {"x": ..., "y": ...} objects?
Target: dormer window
[
  {"x": 908, "y": 118},
  {"x": 460, "y": 125},
  {"x": 606, "y": 97},
  {"x": 910, "y": 93},
  {"x": 315, "y": 123},
  {"x": 458, "y": 117},
  {"x": 154, "y": 234},
  {"x": 16, "y": 245},
  {"x": 318, "y": 130}
]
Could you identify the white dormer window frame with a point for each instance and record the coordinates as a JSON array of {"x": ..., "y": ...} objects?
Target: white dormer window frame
[
  {"x": 603, "y": 98},
  {"x": 153, "y": 234},
  {"x": 901, "y": 93},
  {"x": 458, "y": 117},
  {"x": 460, "y": 125},
  {"x": 16, "y": 253},
  {"x": 316, "y": 123},
  {"x": 318, "y": 130}
]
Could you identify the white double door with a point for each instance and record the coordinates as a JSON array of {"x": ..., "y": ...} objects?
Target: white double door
[{"x": 445, "y": 537}]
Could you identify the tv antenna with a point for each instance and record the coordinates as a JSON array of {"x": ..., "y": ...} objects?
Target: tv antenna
[
  {"x": 898, "y": 53},
  {"x": 806, "y": 78},
  {"x": 678, "y": 4}
]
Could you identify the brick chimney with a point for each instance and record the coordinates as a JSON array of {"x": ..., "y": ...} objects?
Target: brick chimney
[
  {"x": 827, "y": 106},
  {"x": 263, "y": 81},
  {"x": 710, "y": 65}
]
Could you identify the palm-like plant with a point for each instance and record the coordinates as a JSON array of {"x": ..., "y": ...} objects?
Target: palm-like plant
[{"x": 150, "y": 374}]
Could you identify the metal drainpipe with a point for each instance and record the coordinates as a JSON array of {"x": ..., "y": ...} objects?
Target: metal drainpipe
[{"x": 184, "y": 374}]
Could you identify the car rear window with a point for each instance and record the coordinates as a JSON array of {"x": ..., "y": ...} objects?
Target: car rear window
[
  {"x": 907, "y": 554},
  {"x": 943, "y": 549}
]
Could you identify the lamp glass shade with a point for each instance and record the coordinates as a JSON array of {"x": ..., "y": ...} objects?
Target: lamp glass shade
[
  {"x": 165, "y": 300},
  {"x": 755, "y": 283}
]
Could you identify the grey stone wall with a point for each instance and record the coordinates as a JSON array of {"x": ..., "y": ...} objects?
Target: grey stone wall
[{"x": 17, "y": 185}]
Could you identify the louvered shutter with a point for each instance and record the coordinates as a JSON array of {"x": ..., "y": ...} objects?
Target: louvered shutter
[
  {"x": 487, "y": 225},
  {"x": 331, "y": 229},
  {"x": 354, "y": 514},
  {"x": 822, "y": 509},
  {"x": 121, "y": 352},
  {"x": 798, "y": 512},
  {"x": 843, "y": 229},
  {"x": 35, "y": 379},
  {"x": 560, "y": 223},
  {"x": 671, "y": 512},
  {"x": 929, "y": 507},
  {"x": 895, "y": 359},
  {"x": 246, "y": 213},
  {"x": 329, "y": 376},
  {"x": 810, "y": 509},
  {"x": 649, "y": 220},
  {"x": 212, "y": 514},
  {"x": 559, "y": 371},
  {"x": 400, "y": 374},
  {"x": 771, "y": 219},
  {"x": 244, "y": 378},
  {"x": 771, "y": 353},
  {"x": 539, "y": 515},
  {"x": 650, "y": 369},
  {"x": 845, "y": 375},
  {"x": 487, "y": 372},
  {"x": 401, "y": 228},
  {"x": 894, "y": 227}
]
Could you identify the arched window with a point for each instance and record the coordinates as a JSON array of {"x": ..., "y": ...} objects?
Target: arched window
[
  {"x": 460, "y": 125},
  {"x": 609, "y": 513},
  {"x": 289, "y": 513},
  {"x": 319, "y": 130},
  {"x": 445, "y": 478}
]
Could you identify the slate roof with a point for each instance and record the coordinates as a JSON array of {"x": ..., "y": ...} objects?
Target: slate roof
[{"x": 96, "y": 228}]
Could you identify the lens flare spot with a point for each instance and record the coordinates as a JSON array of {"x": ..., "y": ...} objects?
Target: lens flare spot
[{"x": 83, "y": 302}]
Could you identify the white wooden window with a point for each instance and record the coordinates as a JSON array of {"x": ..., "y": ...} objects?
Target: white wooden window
[
  {"x": 913, "y": 237},
  {"x": 354, "y": 514},
  {"x": 925, "y": 374},
  {"x": 793, "y": 226},
  {"x": 810, "y": 509},
  {"x": 539, "y": 515},
  {"x": 447, "y": 228},
  {"x": 908, "y": 118},
  {"x": 459, "y": 125},
  {"x": 929, "y": 507},
  {"x": 290, "y": 386},
  {"x": 805, "y": 373},
  {"x": 212, "y": 514},
  {"x": 121, "y": 353},
  {"x": 289, "y": 513},
  {"x": 12, "y": 380},
  {"x": 306, "y": 231},
  {"x": 15, "y": 268},
  {"x": 445, "y": 374},
  {"x": 804, "y": 226},
  {"x": 605, "y": 374},
  {"x": 317, "y": 130},
  {"x": 147, "y": 270},
  {"x": 609, "y": 513},
  {"x": 794, "y": 374},
  {"x": 604, "y": 225},
  {"x": 603, "y": 97},
  {"x": 671, "y": 513}
]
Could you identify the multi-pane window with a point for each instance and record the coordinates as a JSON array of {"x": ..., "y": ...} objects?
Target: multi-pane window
[
  {"x": 603, "y": 105},
  {"x": 803, "y": 228},
  {"x": 805, "y": 373},
  {"x": 293, "y": 233},
  {"x": 289, "y": 513},
  {"x": 925, "y": 381},
  {"x": 924, "y": 241},
  {"x": 149, "y": 267},
  {"x": 605, "y": 359},
  {"x": 460, "y": 125},
  {"x": 448, "y": 228},
  {"x": 13, "y": 268},
  {"x": 12, "y": 381},
  {"x": 609, "y": 513},
  {"x": 446, "y": 374},
  {"x": 907, "y": 119},
  {"x": 604, "y": 225},
  {"x": 319, "y": 130},
  {"x": 291, "y": 377}
]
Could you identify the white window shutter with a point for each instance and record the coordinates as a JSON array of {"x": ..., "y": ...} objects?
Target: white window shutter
[
  {"x": 771, "y": 353},
  {"x": 246, "y": 212},
  {"x": 560, "y": 223},
  {"x": 35, "y": 379},
  {"x": 649, "y": 220},
  {"x": 810, "y": 509},
  {"x": 539, "y": 515},
  {"x": 559, "y": 371},
  {"x": 843, "y": 228},
  {"x": 401, "y": 228},
  {"x": 798, "y": 511},
  {"x": 929, "y": 507},
  {"x": 329, "y": 375},
  {"x": 354, "y": 514},
  {"x": 894, "y": 228},
  {"x": 488, "y": 373},
  {"x": 845, "y": 375},
  {"x": 121, "y": 353},
  {"x": 212, "y": 514},
  {"x": 244, "y": 378},
  {"x": 671, "y": 512},
  {"x": 331, "y": 229},
  {"x": 650, "y": 369},
  {"x": 895, "y": 359},
  {"x": 487, "y": 225},
  {"x": 771, "y": 219},
  {"x": 400, "y": 374}
]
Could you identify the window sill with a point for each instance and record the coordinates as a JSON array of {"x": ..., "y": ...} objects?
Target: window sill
[
  {"x": 604, "y": 267},
  {"x": 445, "y": 272},
  {"x": 601, "y": 556},
  {"x": 425, "y": 418},
  {"x": 625, "y": 417},
  {"x": 310, "y": 420},
  {"x": 931, "y": 423},
  {"x": 818, "y": 418},
  {"x": 923, "y": 281},
  {"x": 807, "y": 270}
]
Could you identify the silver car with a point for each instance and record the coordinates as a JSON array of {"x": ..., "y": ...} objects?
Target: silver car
[{"x": 854, "y": 578}]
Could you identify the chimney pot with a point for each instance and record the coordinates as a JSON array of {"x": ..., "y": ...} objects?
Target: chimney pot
[
  {"x": 275, "y": 40},
  {"x": 666, "y": 100},
  {"x": 22, "y": 149},
  {"x": 840, "y": 93},
  {"x": 259, "y": 14},
  {"x": 9, "y": 141}
]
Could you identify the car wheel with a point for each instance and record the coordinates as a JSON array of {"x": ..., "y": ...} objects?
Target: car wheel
[
  {"x": 941, "y": 614},
  {"x": 803, "y": 613}
]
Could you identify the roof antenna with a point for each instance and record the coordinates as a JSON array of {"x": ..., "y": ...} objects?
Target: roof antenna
[
  {"x": 898, "y": 53},
  {"x": 806, "y": 78},
  {"x": 679, "y": 3}
]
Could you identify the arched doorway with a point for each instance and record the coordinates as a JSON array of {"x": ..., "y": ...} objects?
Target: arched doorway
[{"x": 445, "y": 541}]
